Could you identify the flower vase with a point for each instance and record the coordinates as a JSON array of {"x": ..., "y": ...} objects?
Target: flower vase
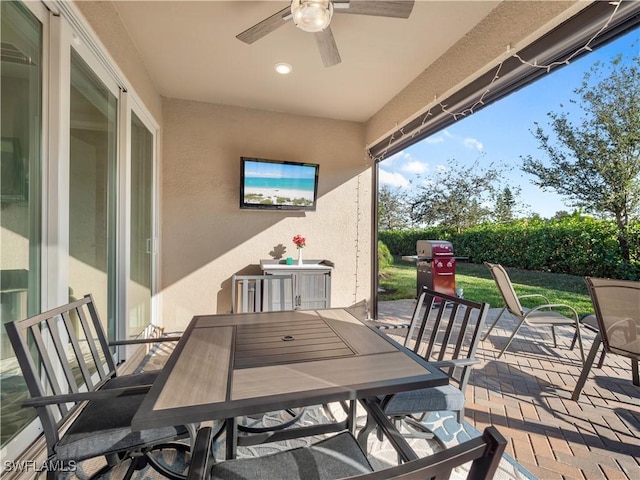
[{"x": 300, "y": 262}]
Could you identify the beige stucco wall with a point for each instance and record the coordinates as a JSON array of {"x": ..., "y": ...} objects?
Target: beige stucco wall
[{"x": 206, "y": 238}]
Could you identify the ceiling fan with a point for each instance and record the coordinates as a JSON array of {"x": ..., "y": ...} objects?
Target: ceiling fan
[{"x": 315, "y": 16}]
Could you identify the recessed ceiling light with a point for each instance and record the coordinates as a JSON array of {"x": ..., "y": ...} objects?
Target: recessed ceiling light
[{"x": 283, "y": 68}]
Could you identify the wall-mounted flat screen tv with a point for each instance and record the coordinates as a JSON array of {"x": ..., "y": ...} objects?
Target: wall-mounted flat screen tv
[{"x": 278, "y": 185}]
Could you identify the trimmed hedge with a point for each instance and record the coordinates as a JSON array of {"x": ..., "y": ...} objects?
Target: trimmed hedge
[{"x": 573, "y": 245}]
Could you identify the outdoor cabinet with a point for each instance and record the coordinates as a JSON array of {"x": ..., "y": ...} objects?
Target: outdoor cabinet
[{"x": 311, "y": 282}]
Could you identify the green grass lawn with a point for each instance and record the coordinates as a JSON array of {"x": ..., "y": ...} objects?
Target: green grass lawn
[{"x": 399, "y": 281}]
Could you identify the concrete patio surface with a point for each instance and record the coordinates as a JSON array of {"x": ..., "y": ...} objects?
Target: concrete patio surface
[{"x": 526, "y": 394}]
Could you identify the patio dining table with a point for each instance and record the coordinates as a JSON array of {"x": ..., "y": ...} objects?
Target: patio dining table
[{"x": 227, "y": 366}]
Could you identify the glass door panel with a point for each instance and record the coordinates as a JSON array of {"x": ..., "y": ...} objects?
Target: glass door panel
[
  {"x": 139, "y": 289},
  {"x": 20, "y": 199},
  {"x": 92, "y": 191}
]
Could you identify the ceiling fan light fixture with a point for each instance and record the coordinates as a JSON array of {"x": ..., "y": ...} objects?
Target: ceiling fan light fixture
[{"x": 312, "y": 15}]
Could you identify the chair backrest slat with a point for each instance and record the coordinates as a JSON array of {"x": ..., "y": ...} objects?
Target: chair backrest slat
[
  {"x": 56, "y": 337},
  {"x": 77, "y": 349},
  {"x": 43, "y": 353},
  {"x": 245, "y": 295},
  {"x": 448, "y": 335},
  {"x": 257, "y": 296},
  {"x": 462, "y": 340},
  {"x": 101, "y": 352},
  {"x": 617, "y": 308}
]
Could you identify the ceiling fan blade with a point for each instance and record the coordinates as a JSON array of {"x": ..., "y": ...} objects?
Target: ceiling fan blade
[
  {"x": 328, "y": 48},
  {"x": 265, "y": 27},
  {"x": 382, "y": 8}
]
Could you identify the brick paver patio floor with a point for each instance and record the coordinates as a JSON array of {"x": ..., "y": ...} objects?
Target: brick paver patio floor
[{"x": 526, "y": 394}]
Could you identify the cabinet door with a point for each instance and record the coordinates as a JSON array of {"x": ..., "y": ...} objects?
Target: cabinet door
[
  {"x": 272, "y": 292},
  {"x": 313, "y": 290}
]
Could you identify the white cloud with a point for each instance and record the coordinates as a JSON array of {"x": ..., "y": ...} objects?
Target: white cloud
[
  {"x": 473, "y": 143},
  {"x": 415, "y": 167},
  {"x": 394, "y": 179},
  {"x": 432, "y": 140}
]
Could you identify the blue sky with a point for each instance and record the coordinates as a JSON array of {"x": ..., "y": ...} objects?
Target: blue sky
[{"x": 501, "y": 132}]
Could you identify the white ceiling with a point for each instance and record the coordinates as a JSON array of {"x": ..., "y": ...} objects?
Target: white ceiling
[{"x": 190, "y": 52}]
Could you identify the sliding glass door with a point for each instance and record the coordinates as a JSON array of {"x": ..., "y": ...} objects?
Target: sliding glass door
[
  {"x": 92, "y": 190},
  {"x": 20, "y": 196},
  {"x": 139, "y": 288}
]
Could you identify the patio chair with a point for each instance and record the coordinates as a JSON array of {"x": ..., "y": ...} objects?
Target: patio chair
[
  {"x": 617, "y": 311},
  {"x": 84, "y": 406},
  {"x": 448, "y": 332},
  {"x": 261, "y": 293},
  {"x": 541, "y": 316},
  {"x": 341, "y": 457}
]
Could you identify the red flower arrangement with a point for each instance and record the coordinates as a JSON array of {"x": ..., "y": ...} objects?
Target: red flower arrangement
[{"x": 300, "y": 241}]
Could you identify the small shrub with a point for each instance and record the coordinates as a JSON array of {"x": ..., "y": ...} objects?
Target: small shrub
[{"x": 385, "y": 259}]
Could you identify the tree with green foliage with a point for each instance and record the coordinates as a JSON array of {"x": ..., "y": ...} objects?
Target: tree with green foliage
[
  {"x": 393, "y": 210},
  {"x": 457, "y": 196},
  {"x": 595, "y": 164},
  {"x": 505, "y": 207}
]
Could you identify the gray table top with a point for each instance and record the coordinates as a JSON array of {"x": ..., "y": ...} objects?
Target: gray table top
[{"x": 232, "y": 365}]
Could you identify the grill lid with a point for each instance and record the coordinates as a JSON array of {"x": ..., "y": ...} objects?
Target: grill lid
[{"x": 434, "y": 248}]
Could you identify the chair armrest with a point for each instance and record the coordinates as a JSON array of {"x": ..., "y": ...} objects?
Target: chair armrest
[
  {"x": 531, "y": 295},
  {"x": 390, "y": 326},
  {"x": 199, "y": 466},
  {"x": 104, "y": 394},
  {"x": 461, "y": 362},
  {"x": 556, "y": 305},
  {"x": 134, "y": 341}
]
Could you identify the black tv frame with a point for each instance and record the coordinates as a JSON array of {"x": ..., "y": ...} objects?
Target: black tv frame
[{"x": 277, "y": 206}]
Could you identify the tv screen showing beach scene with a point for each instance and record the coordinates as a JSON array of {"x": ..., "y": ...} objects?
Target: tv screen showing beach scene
[{"x": 278, "y": 185}]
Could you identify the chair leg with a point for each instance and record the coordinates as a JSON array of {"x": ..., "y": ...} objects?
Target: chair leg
[
  {"x": 493, "y": 324},
  {"x": 602, "y": 355},
  {"x": 328, "y": 413},
  {"x": 137, "y": 463},
  {"x": 351, "y": 417},
  {"x": 635, "y": 373},
  {"x": 573, "y": 340},
  {"x": 586, "y": 368},
  {"x": 515, "y": 330},
  {"x": 162, "y": 469},
  {"x": 580, "y": 343},
  {"x": 231, "y": 438},
  {"x": 363, "y": 436},
  {"x": 553, "y": 335},
  {"x": 601, "y": 361}
]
